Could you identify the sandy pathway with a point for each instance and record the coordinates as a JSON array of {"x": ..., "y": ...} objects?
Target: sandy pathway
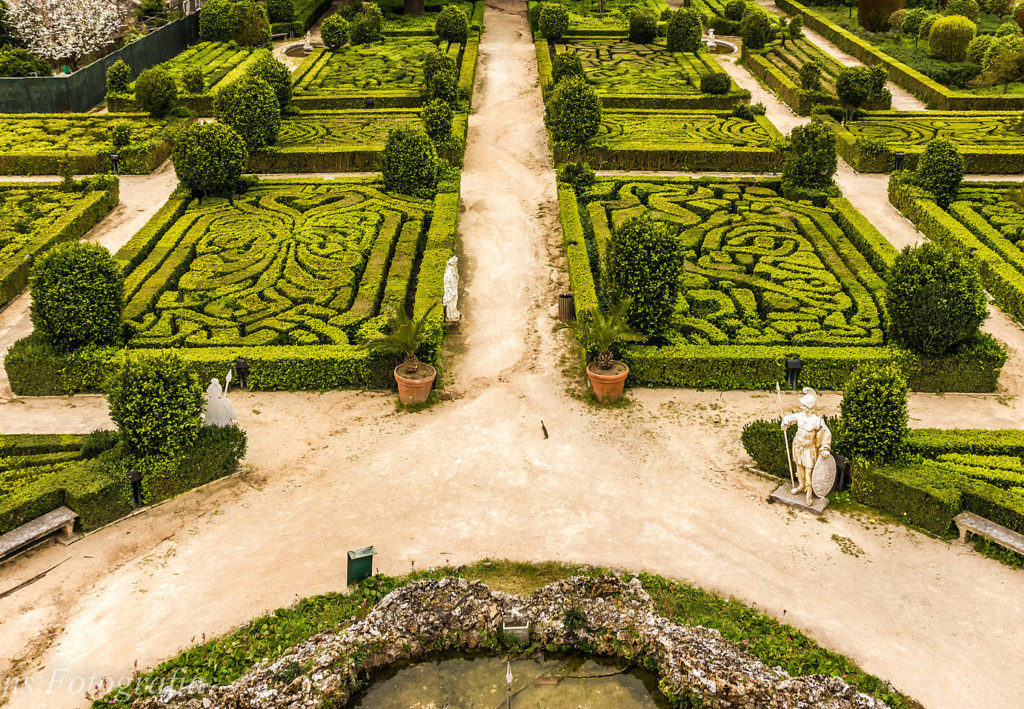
[{"x": 657, "y": 484}]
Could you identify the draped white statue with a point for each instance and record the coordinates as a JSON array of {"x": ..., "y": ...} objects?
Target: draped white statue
[
  {"x": 218, "y": 410},
  {"x": 451, "y": 290}
]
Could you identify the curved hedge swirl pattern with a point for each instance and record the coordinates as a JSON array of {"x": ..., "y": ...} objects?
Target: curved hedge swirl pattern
[
  {"x": 294, "y": 264},
  {"x": 758, "y": 269},
  {"x": 349, "y": 128},
  {"x": 392, "y": 66},
  {"x": 908, "y": 129},
  {"x": 668, "y": 130}
]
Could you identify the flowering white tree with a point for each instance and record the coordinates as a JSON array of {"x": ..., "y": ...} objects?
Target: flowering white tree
[{"x": 66, "y": 30}]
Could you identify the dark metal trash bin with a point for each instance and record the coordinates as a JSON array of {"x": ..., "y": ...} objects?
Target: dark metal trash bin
[
  {"x": 843, "y": 476},
  {"x": 566, "y": 307},
  {"x": 360, "y": 564}
]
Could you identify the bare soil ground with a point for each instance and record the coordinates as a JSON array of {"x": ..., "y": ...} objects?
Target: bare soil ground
[{"x": 657, "y": 483}]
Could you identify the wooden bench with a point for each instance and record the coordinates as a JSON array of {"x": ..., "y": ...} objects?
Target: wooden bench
[
  {"x": 970, "y": 523},
  {"x": 280, "y": 36},
  {"x": 60, "y": 520}
]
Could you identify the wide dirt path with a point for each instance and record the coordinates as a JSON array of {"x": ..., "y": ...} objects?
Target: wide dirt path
[{"x": 657, "y": 484}]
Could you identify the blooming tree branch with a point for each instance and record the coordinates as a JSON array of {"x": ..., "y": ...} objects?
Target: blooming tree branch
[{"x": 66, "y": 30}]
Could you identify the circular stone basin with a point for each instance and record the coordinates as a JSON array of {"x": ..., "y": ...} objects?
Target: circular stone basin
[
  {"x": 553, "y": 682},
  {"x": 722, "y": 47},
  {"x": 299, "y": 49}
]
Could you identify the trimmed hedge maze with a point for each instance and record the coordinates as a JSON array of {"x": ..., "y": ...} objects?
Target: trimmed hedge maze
[
  {"x": 628, "y": 75},
  {"x": 690, "y": 140},
  {"x": 584, "y": 17},
  {"x": 987, "y": 217},
  {"x": 38, "y": 143},
  {"x": 398, "y": 24},
  {"x": 37, "y": 216},
  {"x": 778, "y": 66},
  {"x": 764, "y": 278},
  {"x": 991, "y": 142}
]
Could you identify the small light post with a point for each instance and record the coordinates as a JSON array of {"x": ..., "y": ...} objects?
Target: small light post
[
  {"x": 369, "y": 102},
  {"x": 135, "y": 478},
  {"x": 899, "y": 162},
  {"x": 115, "y": 163},
  {"x": 793, "y": 367}
]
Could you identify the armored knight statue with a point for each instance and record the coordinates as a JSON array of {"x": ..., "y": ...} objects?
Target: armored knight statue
[{"x": 812, "y": 443}]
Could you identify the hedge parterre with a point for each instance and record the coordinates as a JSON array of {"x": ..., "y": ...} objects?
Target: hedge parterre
[
  {"x": 37, "y": 144},
  {"x": 584, "y": 15},
  {"x": 989, "y": 141},
  {"x": 764, "y": 278},
  {"x": 396, "y": 24}
]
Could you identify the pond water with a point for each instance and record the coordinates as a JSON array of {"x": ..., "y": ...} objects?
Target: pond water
[{"x": 537, "y": 682}]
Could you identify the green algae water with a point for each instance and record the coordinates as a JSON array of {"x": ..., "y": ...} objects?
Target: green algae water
[{"x": 478, "y": 682}]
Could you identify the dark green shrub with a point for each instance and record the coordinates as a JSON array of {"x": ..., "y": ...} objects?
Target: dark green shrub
[
  {"x": 444, "y": 86},
  {"x": 810, "y": 160},
  {"x": 157, "y": 404},
  {"x": 873, "y": 414},
  {"x": 873, "y": 15},
  {"x": 644, "y": 263},
  {"x": 566, "y": 64},
  {"x": 216, "y": 21},
  {"x": 533, "y": 16},
  {"x": 853, "y": 86},
  {"x": 717, "y": 83},
  {"x": 280, "y": 10},
  {"x": 16, "y": 61},
  {"x": 250, "y": 25},
  {"x": 275, "y": 73},
  {"x": 643, "y": 27},
  {"x": 77, "y": 296},
  {"x": 192, "y": 80},
  {"x": 98, "y": 442},
  {"x": 810, "y": 76},
  {"x": 795, "y": 28},
  {"x": 251, "y": 108},
  {"x": 735, "y": 10},
  {"x": 367, "y": 26},
  {"x": 435, "y": 62},
  {"x": 926, "y": 25},
  {"x": 155, "y": 92},
  {"x": 934, "y": 299},
  {"x": 683, "y": 32},
  {"x": 437, "y": 120},
  {"x": 119, "y": 77},
  {"x": 763, "y": 441},
  {"x": 940, "y": 170},
  {"x": 554, "y": 20},
  {"x": 722, "y": 26},
  {"x": 409, "y": 163},
  {"x": 979, "y": 48},
  {"x": 452, "y": 25},
  {"x": 966, "y": 8},
  {"x": 209, "y": 159},
  {"x": 579, "y": 176},
  {"x": 757, "y": 28},
  {"x": 1008, "y": 29},
  {"x": 949, "y": 37},
  {"x": 334, "y": 32},
  {"x": 120, "y": 134},
  {"x": 574, "y": 112},
  {"x": 912, "y": 21}
]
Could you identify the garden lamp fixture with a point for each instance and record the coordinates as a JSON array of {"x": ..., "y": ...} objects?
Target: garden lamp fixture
[
  {"x": 115, "y": 160},
  {"x": 899, "y": 162},
  {"x": 369, "y": 102},
  {"x": 793, "y": 367},
  {"x": 135, "y": 478}
]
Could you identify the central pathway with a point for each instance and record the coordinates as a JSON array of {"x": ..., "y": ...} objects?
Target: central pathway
[{"x": 656, "y": 484}]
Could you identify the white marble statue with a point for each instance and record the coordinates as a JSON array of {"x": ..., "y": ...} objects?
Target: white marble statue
[
  {"x": 308, "y": 46},
  {"x": 451, "y": 291},
  {"x": 812, "y": 442},
  {"x": 218, "y": 410},
  {"x": 711, "y": 41}
]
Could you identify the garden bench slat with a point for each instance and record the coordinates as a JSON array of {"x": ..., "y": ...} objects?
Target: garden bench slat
[
  {"x": 970, "y": 523},
  {"x": 61, "y": 520}
]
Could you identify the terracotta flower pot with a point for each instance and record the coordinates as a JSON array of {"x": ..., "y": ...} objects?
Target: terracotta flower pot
[
  {"x": 608, "y": 387},
  {"x": 415, "y": 391}
]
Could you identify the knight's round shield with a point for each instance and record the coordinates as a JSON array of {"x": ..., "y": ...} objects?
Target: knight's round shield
[{"x": 823, "y": 477}]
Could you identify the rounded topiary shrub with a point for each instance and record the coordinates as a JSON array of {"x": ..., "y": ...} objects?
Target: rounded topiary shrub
[
  {"x": 280, "y": 10},
  {"x": 579, "y": 176},
  {"x": 926, "y": 25},
  {"x": 155, "y": 92},
  {"x": 810, "y": 76},
  {"x": 251, "y": 108},
  {"x": 77, "y": 296},
  {"x": 435, "y": 62},
  {"x": 873, "y": 414},
  {"x": 437, "y": 120},
  {"x": 209, "y": 159},
  {"x": 157, "y": 404},
  {"x": 566, "y": 64},
  {"x": 643, "y": 27},
  {"x": 735, "y": 10},
  {"x": 18, "y": 61},
  {"x": 444, "y": 86},
  {"x": 1008, "y": 29},
  {"x": 216, "y": 21},
  {"x": 334, "y": 32},
  {"x": 949, "y": 37},
  {"x": 911, "y": 25},
  {"x": 554, "y": 20},
  {"x": 409, "y": 163},
  {"x": 684, "y": 31},
  {"x": 452, "y": 25},
  {"x": 979, "y": 48},
  {"x": 192, "y": 80},
  {"x": 757, "y": 28},
  {"x": 574, "y": 112},
  {"x": 941, "y": 170},
  {"x": 644, "y": 262},
  {"x": 251, "y": 28},
  {"x": 935, "y": 299},
  {"x": 810, "y": 160},
  {"x": 717, "y": 83},
  {"x": 119, "y": 77},
  {"x": 275, "y": 73},
  {"x": 367, "y": 26},
  {"x": 120, "y": 134}
]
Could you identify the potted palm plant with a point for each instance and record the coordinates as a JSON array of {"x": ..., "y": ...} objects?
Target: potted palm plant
[
  {"x": 599, "y": 332},
  {"x": 414, "y": 378}
]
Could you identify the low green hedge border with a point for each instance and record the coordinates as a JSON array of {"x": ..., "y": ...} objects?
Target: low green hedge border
[
  {"x": 877, "y": 157},
  {"x": 907, "y": 77},
  {"x": 76, "y": 223},
  {"x": 975, "y": 369}
]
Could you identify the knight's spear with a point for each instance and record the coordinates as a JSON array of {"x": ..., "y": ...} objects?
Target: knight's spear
[{"x": 785, "y": 435}]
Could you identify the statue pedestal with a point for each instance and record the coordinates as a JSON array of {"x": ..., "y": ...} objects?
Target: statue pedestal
[{"x": 799, "y": 501}]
